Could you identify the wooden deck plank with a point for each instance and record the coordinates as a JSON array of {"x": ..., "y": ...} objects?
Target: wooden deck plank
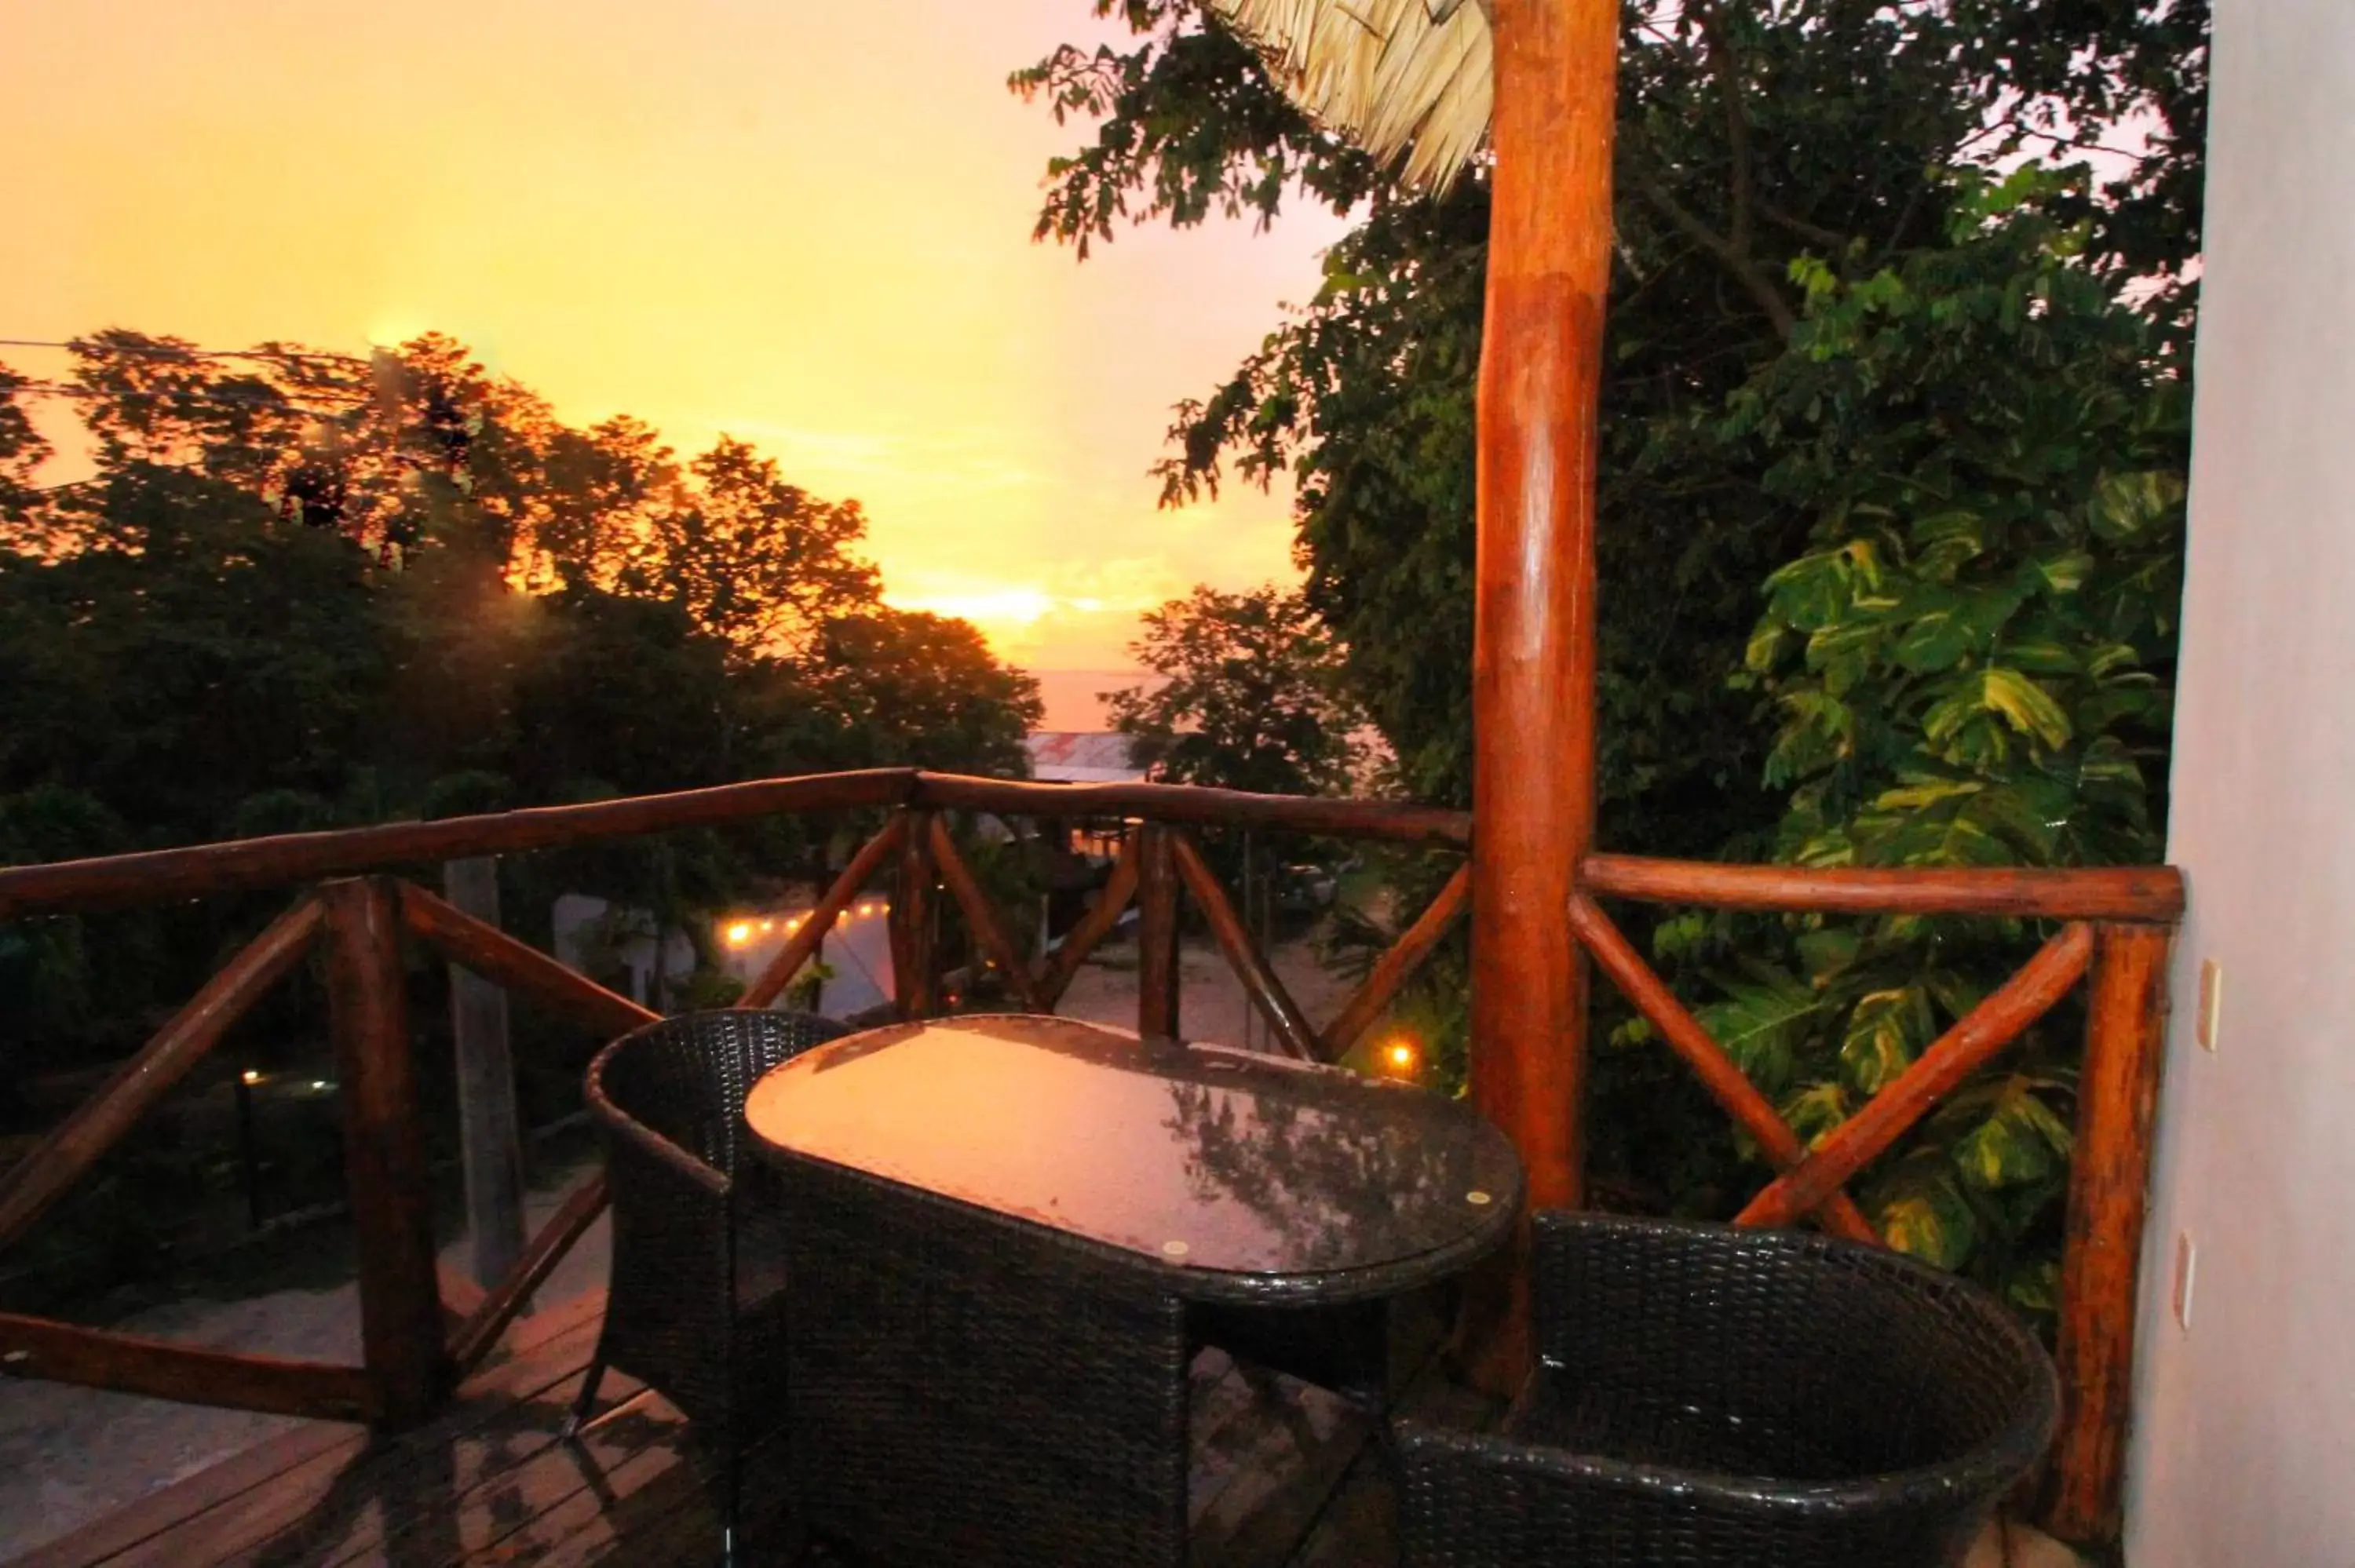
[
  {"x": 482, "y": 1475},
  {"x": 1357, "y": 1526},
  {"x": 314, "y": 1496},
  {"x": 109, "y": 1539},
  {"x": 1282, "y": 1474},
  {"x": 590, "y": 1518},
  {"x": 349, "y": 1512},
  {"x": 213, "y": 1513}
]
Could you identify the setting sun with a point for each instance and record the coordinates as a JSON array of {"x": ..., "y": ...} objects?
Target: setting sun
[{"x": 806, "y": 226}]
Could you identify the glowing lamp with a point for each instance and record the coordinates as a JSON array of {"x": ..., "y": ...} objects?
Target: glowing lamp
[
  {"x": 739, "y": 933},
  {"x": 250, "y": 1076},
  {"x": 1399, "y": 1054}
]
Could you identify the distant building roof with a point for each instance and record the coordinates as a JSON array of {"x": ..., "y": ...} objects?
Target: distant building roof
[{"x": 1062, "y": 756}]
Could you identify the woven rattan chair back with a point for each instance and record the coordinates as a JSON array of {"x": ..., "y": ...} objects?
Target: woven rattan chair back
[
  {"x": 1706, "y": 1394},
  {"x": 696, "y": 1304}
]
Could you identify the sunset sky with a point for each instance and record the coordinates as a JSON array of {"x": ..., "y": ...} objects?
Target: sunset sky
[{"x": 803, "y": 223}]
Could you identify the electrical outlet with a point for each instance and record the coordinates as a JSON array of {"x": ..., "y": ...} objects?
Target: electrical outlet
[
  {"x": 2187, "y": 1263},
  {"x": 2212, "y": 1003}
]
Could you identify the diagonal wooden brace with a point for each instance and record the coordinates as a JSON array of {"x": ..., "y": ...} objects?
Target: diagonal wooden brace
[
  {"x": 1053, "y": 975},
  {"x": 981, "y": 915},
  {"x": 1397, "y": 965},
  {"x": 1725, "y": 1082},
  {"x": 803, "y": 945},
  {"x": 1978, "y": 1034},
  {"x": 518, "y": 966},
  {"x": 1250, "y": 965}
]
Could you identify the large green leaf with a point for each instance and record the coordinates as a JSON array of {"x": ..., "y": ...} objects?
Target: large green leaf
[
  {"x": 1886, "y": 1031},
  {"x": 2127, "y": 504},
  {"x": 1759, "y": 1023},
  {"x": 2028, "y": 705},
  {"x": 1922, "y": 1214},
  {"x": 1814, "y": 1113},
  {"x": 1936, "y": 637},
  {"x": 2020, "y": 1141}
]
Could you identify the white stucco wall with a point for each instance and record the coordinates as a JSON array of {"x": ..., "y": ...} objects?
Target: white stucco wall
[{"x": 2244, "y": 1442}]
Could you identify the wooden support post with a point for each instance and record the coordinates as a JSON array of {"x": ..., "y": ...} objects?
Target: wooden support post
[
  {"x": 384, "y": 1153},
  {"x": 915, "y": 981},
  {"x": 2109, "y": 1185},
  {"x": 1533, "y": 644},
  {"x": 1156, "y": 930},
  {"x": 490, "y": 1141}
]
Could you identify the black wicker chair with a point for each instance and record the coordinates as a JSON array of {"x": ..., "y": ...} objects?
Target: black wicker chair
[
  {"x": 1707, "y": 1395},
  {"x": 697, "y": 1298}
]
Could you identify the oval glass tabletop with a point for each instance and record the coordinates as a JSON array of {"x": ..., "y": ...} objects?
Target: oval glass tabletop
[{"x": 1193, "y": 1155}]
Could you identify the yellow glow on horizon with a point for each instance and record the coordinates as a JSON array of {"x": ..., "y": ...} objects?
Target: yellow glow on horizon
[
  {"x": 808, "y": 226},
  {"x": 986, "y": 608}
]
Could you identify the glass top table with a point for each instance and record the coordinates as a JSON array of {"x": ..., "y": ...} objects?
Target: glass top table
[{"x": 1236, "y": 1176}]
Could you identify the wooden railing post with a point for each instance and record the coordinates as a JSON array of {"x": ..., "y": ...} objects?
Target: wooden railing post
[
  {"x": 384, "y": 1151},
  {"x": 1156, "y": 930},
  {"x": 2109, "y": 1185},
  {"x": 490, "y": 1141},
  {"x": 915, "y": 980}
]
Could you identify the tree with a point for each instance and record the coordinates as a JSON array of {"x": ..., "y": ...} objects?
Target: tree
[
  {"x": 1249, "y": 697},
  {"x": 1971, "y": 665},
  {"x": 757, "y": 562},
  {"x": 925, "y": 689},
  {"x": 1751, "y": 136},
  {"x": 22, "y": 453},
  {"x": 306, "y": 590},
  {"x": 1815, "y": 291}
]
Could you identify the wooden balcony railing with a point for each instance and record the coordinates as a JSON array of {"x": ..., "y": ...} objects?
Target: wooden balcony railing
[{"x": 421, "y": 1332}]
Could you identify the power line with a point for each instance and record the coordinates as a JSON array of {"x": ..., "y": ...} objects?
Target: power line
[
  {"x": 291, "y": 401},
  {"x": 86, "y": 345}
]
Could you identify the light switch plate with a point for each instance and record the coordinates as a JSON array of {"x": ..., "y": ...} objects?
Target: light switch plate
[
  {"x": 2212, "y": 1003},
  {"x": 2187, "y": 1263}
]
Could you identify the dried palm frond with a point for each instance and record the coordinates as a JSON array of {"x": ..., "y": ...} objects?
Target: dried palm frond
[{"x": 1402, "y": 77}]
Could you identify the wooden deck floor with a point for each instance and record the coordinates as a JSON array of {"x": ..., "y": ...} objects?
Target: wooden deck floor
[{"x": 1283, "y": 1475}]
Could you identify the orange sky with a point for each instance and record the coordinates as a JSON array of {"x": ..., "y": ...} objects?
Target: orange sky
[{"x": 804, "y": 224}]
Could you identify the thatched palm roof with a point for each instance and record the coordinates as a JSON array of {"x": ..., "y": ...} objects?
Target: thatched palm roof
[{"x": 1399, "y": 76}]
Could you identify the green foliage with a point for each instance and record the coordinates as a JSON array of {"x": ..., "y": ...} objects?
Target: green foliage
[
  {"x": 1970, "y": 663},
  {"x": 1915, "y": 404},
  {"x": 1249, "y": 699},
  {"x": 305, "y": 592}
]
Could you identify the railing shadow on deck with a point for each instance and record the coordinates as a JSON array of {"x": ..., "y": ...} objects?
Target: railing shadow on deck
[{"x": 423, "y": 1334}]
